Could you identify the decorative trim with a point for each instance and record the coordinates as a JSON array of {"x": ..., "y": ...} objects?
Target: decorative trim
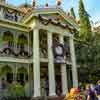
[
  {"x": 9, "y": 51},
  {"x": 48, "y": 21}
]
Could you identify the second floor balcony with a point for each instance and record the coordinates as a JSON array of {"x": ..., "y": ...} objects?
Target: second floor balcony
[{"x": 9, "y": 50}]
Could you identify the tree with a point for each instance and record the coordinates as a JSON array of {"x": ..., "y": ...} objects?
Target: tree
[
  {"x": 85, "y": 26},
  {"x": 72, "y": 13},
  {"x": 88, "y": 57}
]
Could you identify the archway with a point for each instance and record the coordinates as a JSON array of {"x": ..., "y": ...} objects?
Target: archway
[
  {"x": 22, "y": 75},
  {"x": 8, "y": 37},
  {"x": 22, "y": 41},
  {"x": 7, "y": 72}
]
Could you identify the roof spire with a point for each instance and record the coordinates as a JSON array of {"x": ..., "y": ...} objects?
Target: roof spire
[
  {"x": 33, "y": 3},
  {"x": 58, "y": 3},
  {"x": 46, "y": 3},
  {"x": 26, "y": 4}
]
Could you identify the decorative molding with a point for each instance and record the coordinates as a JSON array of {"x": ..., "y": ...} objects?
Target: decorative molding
[{"x": 51, "y": 21}]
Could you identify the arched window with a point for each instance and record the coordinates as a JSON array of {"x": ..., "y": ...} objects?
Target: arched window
[
  {"x": 22, "y": 41},
  {"x": 22, "y": 75},
  {"x": 7, "y": 72},
  {"x": 8, "y": 37}
]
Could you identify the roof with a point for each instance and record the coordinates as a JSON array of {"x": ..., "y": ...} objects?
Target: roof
[
  {"x": 8, "y": 6},
  {"x": 24, "y": 7},
  {"x": 49, "y": 11},
  {"x": 52, "y": 15}
]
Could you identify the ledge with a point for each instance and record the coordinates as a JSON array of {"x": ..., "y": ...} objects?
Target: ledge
[
  {"x": 14, "y": 25},
  {"x": 18, "y": 60}
]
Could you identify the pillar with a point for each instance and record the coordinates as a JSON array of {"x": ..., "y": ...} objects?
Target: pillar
[
  {"x": 51, "y": 67},
  {"x": 15, "y": 72},
  {"x": 63, "y": 72},
  {"x": 36, "y": 61},
  {"x": 73, "y": 60}
]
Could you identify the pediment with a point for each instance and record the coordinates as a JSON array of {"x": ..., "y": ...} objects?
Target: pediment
[{"x": 55, "y": 15}]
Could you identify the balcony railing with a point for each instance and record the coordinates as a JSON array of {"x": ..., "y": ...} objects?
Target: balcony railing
[{"x": 6, "y": 51}]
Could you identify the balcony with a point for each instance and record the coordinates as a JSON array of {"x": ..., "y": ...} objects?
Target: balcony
[
  {"x": 10, "y": 13},
  {"x": 13, "y": 52}
]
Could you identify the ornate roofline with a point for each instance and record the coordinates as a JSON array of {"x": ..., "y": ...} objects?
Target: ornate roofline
[
  {"x": 11, "y": 7},
  {"x": 53, "y": 10},
  {"x": 57, "y": 23}
]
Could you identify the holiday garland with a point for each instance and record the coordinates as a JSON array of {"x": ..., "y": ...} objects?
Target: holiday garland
[
  {"x": 47, "y": 21},
  {"x": 13, "y": 14},
  {"x": 10, "y": 51}
]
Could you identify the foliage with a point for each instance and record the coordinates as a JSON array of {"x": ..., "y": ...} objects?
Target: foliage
[
  {"x": 22, "y": 39},
  {"x": 87, "y": 47},
  {"x": 4, "y": 70},
  {"x": 22, "y": 70},
  {"x": 88, "y": 57},
  {"x": 8, "y": 36},
  {"x": 85, "y": 27},
  {"x": 72, "y": 13},
  {"x": 16, "y": 89}
]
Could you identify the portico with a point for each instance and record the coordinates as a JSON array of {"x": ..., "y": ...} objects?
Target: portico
[
  {"x": 50, "y": 29},
  {"x": 37, "y": 35}
]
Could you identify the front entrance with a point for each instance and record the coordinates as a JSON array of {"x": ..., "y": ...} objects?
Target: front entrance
[
  {"x": 58, "y": 79},
  {"x": 44, "y": 79}
]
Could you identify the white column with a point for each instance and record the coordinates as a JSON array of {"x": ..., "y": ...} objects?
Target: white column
[
  {"x": 2, "y": 13},
  {"x": 73, "y": 59},
  {"x": 14, "y": 74},
  {"x": 51, "y": 67},
  {"x": 63, "y": 72},
  {"x": 36, "y": 60}
]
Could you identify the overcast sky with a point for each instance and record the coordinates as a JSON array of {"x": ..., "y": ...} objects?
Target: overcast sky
[{"x": 92, "y": 6}]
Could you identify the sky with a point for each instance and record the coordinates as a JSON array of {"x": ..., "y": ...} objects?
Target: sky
[{"x": 91, "y": 6}]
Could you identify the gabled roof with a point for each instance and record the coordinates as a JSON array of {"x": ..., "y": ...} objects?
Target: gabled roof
[{"x": 49, "y": 11}]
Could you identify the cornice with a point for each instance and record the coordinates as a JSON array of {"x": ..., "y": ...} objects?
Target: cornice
[
  {"x": 37, "y": 11},
  {"x": 14, "y": 25},
  {"x": 11, "y": 7}
]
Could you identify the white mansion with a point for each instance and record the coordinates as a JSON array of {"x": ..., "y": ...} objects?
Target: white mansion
[{"x": 36, "y": 45}]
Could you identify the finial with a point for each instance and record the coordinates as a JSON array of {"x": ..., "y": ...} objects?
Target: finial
[
  {"x": 33, "y": 3},
  {"x": 46, "y": 4},
  {"x": 58, "y": 2}
]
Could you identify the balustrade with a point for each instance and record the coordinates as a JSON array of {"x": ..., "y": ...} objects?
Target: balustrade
[
  {"x": 11, "y": 51},
  {"x": 10, "y": 14}
]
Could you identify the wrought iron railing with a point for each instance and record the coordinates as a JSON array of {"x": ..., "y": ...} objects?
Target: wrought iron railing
[{"x": 6, "y": 51}]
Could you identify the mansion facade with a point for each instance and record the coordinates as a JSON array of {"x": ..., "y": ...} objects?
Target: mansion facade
[{"x": 37, "y": 45}]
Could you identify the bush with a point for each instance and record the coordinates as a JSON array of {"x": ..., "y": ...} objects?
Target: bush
[{"x": 16, "y": 89}]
